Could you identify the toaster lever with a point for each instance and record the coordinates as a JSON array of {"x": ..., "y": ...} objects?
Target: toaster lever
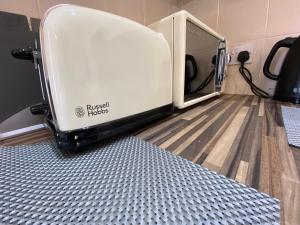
[
  {"x": 32, "y": 55},
  {"x": 23, "y": 53},
  {"x": 27, "y": 54},
  {"x": 40, "y": 108}
]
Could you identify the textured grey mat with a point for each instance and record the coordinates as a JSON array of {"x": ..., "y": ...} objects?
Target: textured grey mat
[
  {"x": 291, "y": 120},
  {"x": 123, "y": 181}
]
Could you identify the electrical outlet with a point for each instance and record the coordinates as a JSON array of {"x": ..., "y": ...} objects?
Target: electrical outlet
[{"x": 237, "y": 49}]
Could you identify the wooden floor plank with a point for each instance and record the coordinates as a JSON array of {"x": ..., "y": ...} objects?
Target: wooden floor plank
[
  {"x": 204, "y": 138},
  {"x": 242, "y": 172},
  {"x": 249, "y": 136},
  {"x": 29, "y": 138},
  {"x": 243, "y": 145},
  {"x": 249, "y": 101},
  {"x": 238, "y": 148},
  {"x": 261, "y": 108},
  {"x": 240, "y": 145},
  {"x": 217, "y": 156},
  {"x": 187, "y": 142},
  {"x": 286, "y": 156},
  {"x": 205, "y": 150},
  {"x": 182, "y": 132},
  {"x": 168, "y": 132},
  {"x": 290, "y": 201},
  {"x": 148, "y": 133},
  {"x": 296, "y": 154},
  {"x": 211, "y": 112},
  {"x": 199, "y": 111},
  {"x": 278, "y": 114},
  {"x": 264, "y": 178},
  {"x": 255, "y": 101},
  {"x": 252, "y": 178},
  {"x": 275, "y": 168},
  {"x": 193, "y": 149},
  {"x": 270, "y": 119}
]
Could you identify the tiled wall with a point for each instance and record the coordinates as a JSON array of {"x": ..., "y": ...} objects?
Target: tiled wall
[
  {"x": 142, "y": 11},
  {"x": 261, "y": 22}
]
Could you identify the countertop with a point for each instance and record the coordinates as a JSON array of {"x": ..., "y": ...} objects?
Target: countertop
[{"x": 241, "y": 137}]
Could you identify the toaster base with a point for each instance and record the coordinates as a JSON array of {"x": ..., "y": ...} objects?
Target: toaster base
[{"x": 84, "y": 137}]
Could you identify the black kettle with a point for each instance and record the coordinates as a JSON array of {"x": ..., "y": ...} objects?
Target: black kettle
[{"x": 288, "y": 85}]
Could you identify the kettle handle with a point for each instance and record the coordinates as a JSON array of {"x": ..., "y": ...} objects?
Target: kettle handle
[{"x": 287, "y": 43}]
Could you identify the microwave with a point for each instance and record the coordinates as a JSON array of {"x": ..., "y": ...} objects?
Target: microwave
[{"x": 198, "y": 59}]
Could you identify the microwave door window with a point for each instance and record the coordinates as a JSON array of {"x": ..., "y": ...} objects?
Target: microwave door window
[{"x": 200, "y": 62}]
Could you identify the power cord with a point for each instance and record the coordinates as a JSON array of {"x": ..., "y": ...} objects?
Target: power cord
[
  {"x": 206, "y": 81},
  {"x": 246, "y": 74}
]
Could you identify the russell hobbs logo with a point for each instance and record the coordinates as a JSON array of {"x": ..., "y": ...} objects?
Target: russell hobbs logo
[
  {"x": 79, "y": 111},
  {"x": 92, "y": 110}
]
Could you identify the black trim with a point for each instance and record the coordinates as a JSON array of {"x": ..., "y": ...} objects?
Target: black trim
[
  {"x": 86, "y": 137},
  {"x": 292, "y": 99}
]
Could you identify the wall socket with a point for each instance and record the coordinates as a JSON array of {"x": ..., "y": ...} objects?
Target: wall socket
[{"x": 239, "y": 48}]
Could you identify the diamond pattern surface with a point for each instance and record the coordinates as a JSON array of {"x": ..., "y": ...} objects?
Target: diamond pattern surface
[
  {"x": 124, "y": 180},
  {"x": 291, "y": 119}
]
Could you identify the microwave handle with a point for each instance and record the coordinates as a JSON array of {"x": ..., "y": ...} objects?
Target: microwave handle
[{"x": 221, "y": 62}]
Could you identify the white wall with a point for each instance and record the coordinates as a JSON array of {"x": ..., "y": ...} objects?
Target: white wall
[{"x": 142, "y": 11}]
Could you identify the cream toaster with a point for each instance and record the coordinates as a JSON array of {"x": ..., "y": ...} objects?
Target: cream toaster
[{"x": 104, "y": 74}]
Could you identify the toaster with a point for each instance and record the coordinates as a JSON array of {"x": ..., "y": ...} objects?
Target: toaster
[
  {"x": 104, "y": 74},
  {"x": 199, "y": 58}
]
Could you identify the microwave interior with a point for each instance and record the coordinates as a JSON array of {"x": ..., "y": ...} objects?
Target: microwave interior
[{"x": 203, "y": 64}]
